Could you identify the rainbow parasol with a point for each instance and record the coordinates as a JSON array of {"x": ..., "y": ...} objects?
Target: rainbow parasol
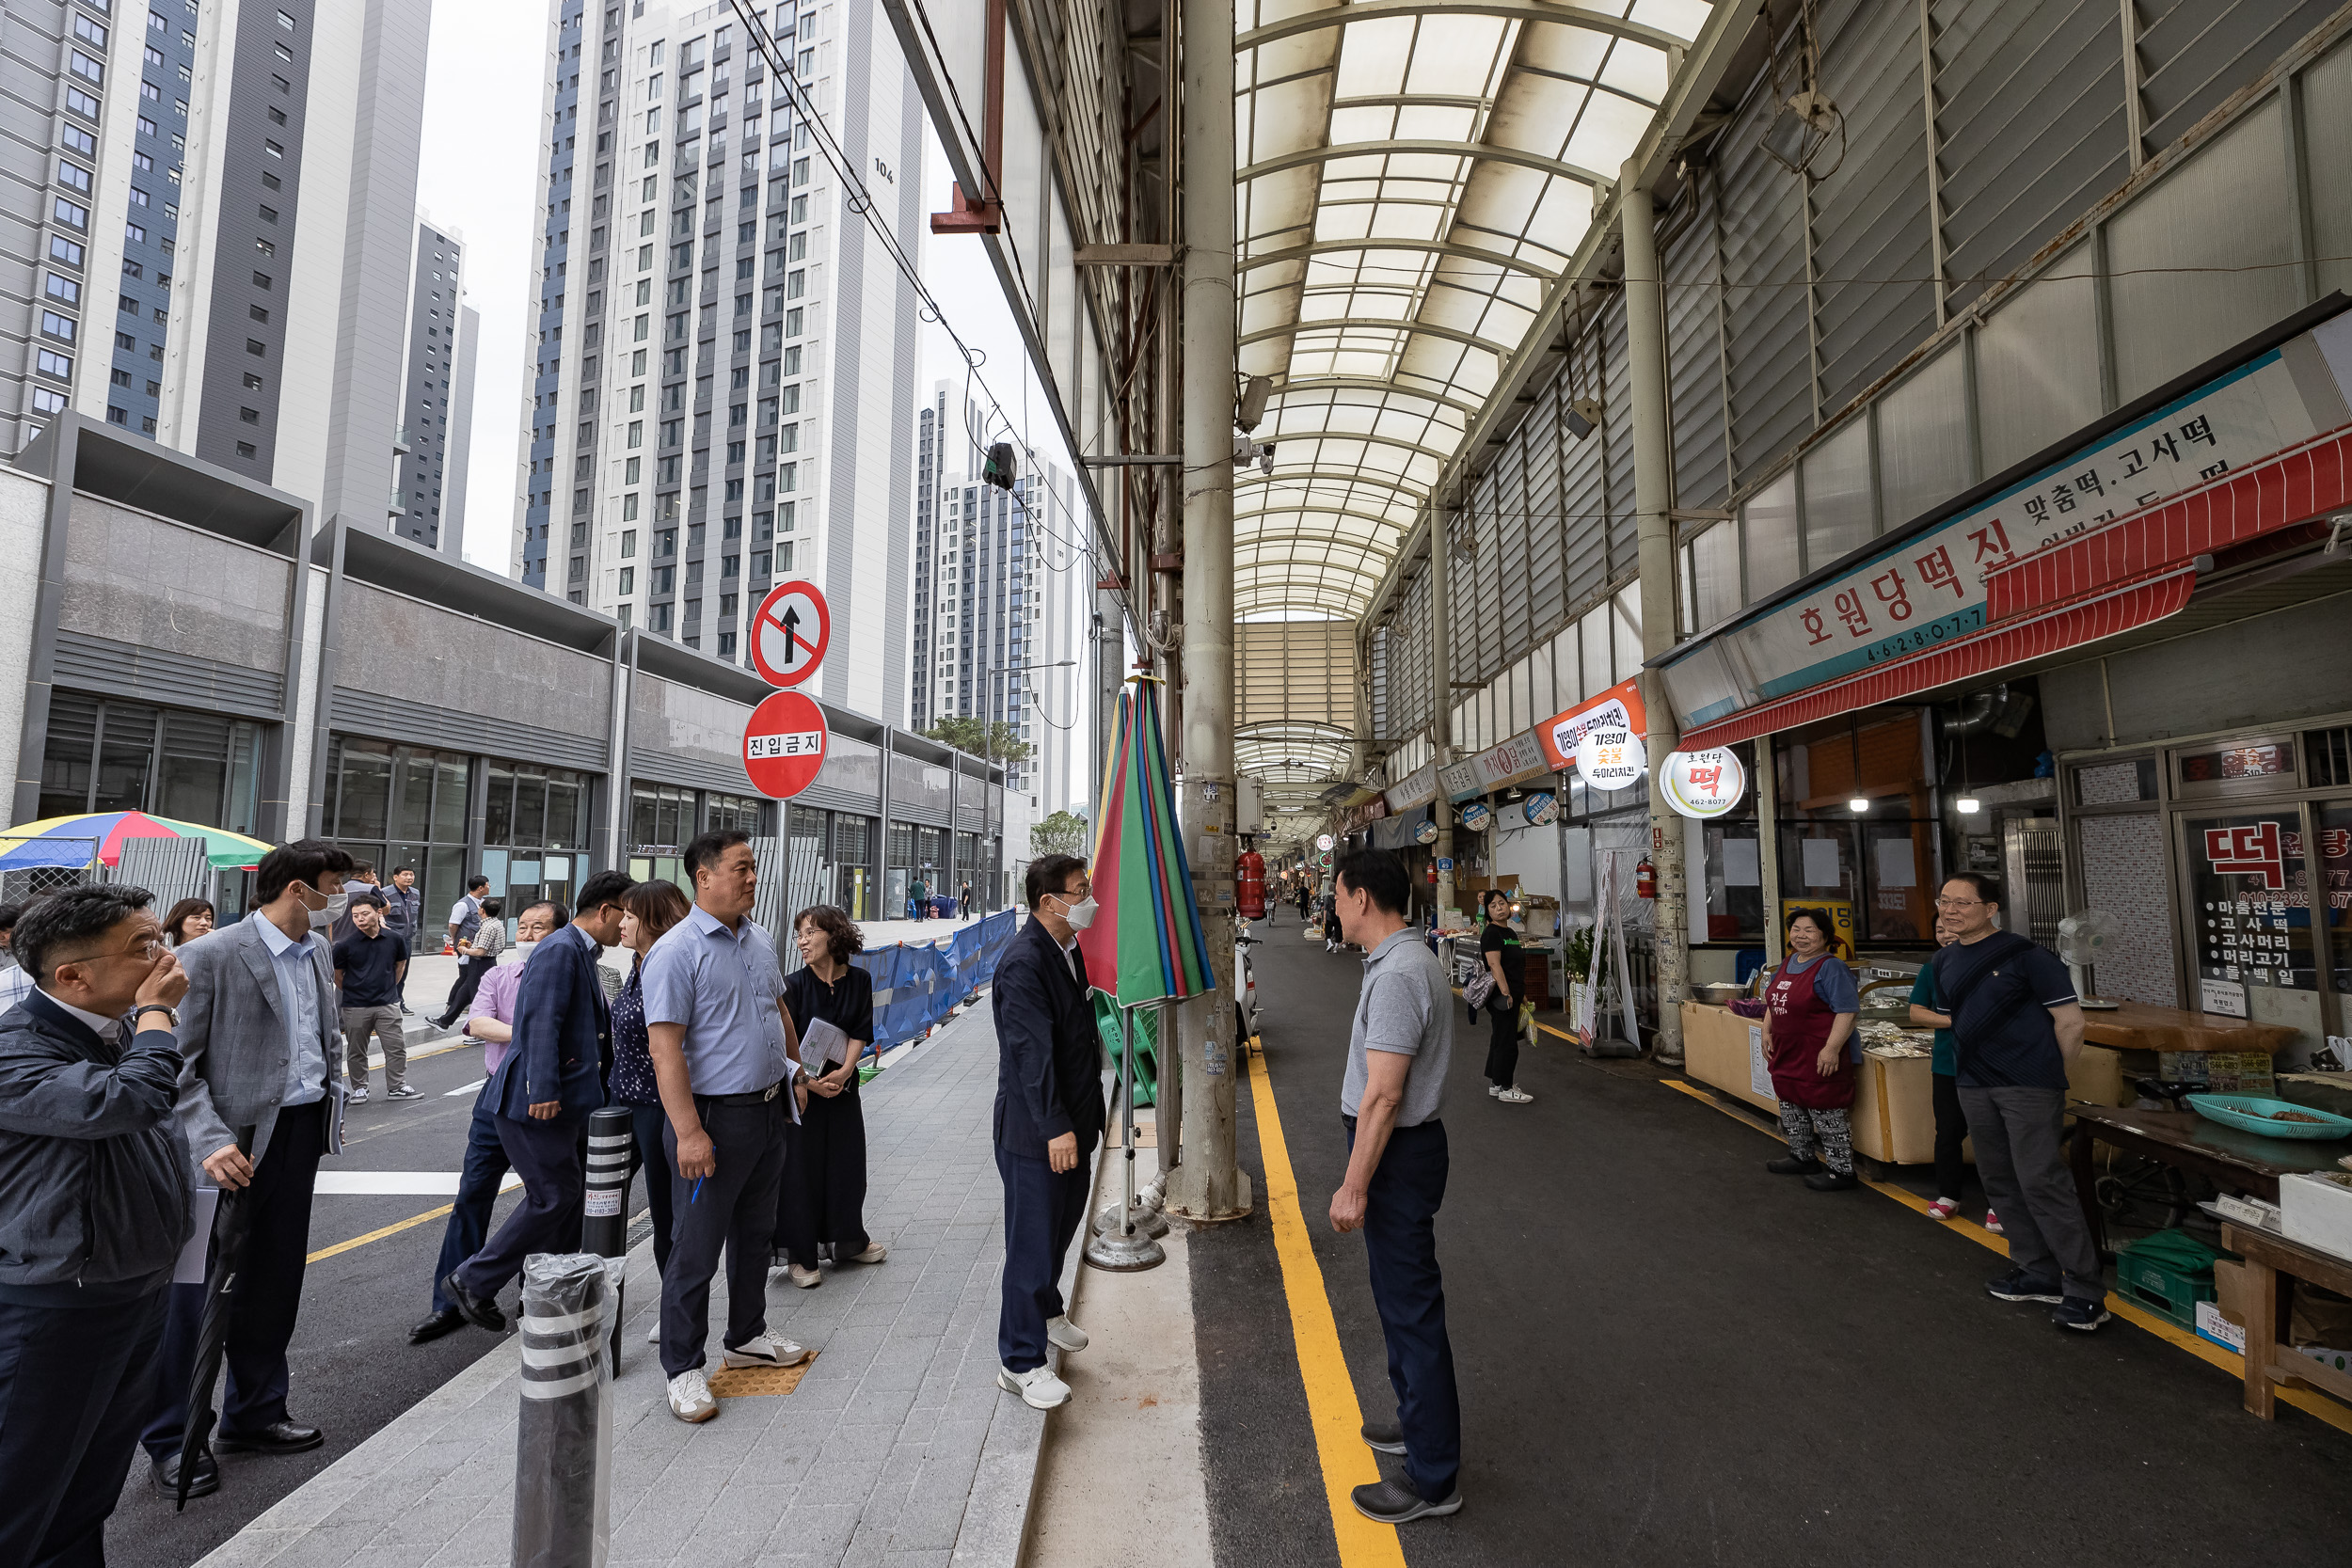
[
  {"x": 72, "y": 841},
  {"x": 1147, "y": 936}
]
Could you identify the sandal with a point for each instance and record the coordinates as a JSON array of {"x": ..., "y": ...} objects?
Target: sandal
[{"x": 1942, "y": 1207}]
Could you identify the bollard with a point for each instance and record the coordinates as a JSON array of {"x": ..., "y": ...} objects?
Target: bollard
[
  {"x": 564, "y": 1438},
  {"x": 604, "y": 1221}
]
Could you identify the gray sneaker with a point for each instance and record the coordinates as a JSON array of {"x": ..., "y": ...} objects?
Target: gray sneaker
[{"x": 1395, "y": 1502}]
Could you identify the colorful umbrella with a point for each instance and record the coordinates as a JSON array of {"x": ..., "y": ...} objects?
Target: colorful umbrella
[
  {"x": 1147, "y": 940},
  {"x": 72, "y": 841}
]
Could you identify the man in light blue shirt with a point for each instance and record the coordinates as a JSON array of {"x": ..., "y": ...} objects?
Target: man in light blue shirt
[
  {"x": 257, "y": 1108},
  {"x": 727, "y": 1061}
]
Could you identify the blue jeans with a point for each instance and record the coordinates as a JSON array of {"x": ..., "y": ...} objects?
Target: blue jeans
[{"x": 1401, "y": 1245}]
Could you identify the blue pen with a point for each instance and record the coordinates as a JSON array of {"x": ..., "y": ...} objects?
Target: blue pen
[{"x": 695, "y": 1194}]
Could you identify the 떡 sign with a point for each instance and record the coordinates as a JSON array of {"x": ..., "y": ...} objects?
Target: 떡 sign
[
  {"x": 1477, "y": 818},
  {"x": 790, "y": 633},
  {"x": 784, "y": 745},
  {"x": 1621, "y": 706},
  {"x": 1610, "y": 756},
  {"x": 1702, "y": 783}
]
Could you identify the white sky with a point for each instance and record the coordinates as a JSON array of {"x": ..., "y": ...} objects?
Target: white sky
[{"x": 478, "y": 176}]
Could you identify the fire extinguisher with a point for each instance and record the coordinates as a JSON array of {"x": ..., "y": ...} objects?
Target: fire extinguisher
[
  {"x": 1250, "y": 884},
  {"x": 1645, "y": 880}
]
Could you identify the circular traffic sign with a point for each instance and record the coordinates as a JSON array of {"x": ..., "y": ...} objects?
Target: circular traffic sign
[
  {"x": 790, "y": 632},
  {"x": 784, "y": 745}
]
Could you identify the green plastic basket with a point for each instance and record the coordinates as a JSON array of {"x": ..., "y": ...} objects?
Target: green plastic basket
[{"x": 2168, "y": 1273}]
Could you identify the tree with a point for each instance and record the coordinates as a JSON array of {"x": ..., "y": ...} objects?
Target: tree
[
  {"x": 994, "y": 742},
  {"x": 1062, "y": 834}
]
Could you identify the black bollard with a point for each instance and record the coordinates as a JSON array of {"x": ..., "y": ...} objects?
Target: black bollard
[
  {"x": 564, "y": 1438},
  {"x": 604, "y": 1223}
]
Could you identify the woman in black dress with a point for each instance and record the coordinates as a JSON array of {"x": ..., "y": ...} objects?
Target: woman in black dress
[{"x": 823, "y": 1200}]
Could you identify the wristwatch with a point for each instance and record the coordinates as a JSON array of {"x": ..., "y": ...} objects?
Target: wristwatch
[{"x": 171, "y": 1015}]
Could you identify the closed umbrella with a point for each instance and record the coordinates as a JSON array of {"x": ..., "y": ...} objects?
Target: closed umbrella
[{"x": 233, "y": 1223}]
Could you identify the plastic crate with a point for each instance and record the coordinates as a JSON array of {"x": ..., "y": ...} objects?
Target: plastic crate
[{"x": 2162, "y": 1287}]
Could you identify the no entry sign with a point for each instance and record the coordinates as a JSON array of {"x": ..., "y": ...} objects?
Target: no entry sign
[
  {"x": 784, "y": 745},
  {"x": 790, "y": 632}
]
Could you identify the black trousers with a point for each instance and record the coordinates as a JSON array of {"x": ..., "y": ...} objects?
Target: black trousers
[
  {"x": 75, "y": 1384},
  {"x": 823, "y": 1196},
  {"x": 469, "y": 974},
  {"x": 1502, "y": 1044},
  {"x": 1951, "y": 1130},
  {"x": 1401, "y": 1246},
  {"x": 268, "y": 1298},
  {"x": 1042, "y": 1211},
  {"x": 735, "y": 1208},
  {"x": 553, "y": 1158},
  {"x": 645, "y": 1126},
  {"x": 478, "y": 1182}
]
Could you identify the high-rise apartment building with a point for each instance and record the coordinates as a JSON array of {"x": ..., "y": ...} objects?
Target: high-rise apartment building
[
  {"x": 723, "y": 352},
  {"x": 438, "y": 401},
  {"x": 240, "y": 175}
]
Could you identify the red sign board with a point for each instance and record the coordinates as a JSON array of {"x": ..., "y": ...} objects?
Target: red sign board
[
  {"x": 784, "y": 745},
  {"x": 790, "y": 633}
]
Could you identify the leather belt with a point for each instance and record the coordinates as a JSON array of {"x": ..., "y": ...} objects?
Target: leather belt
[{"x": 750, "y": 1096}]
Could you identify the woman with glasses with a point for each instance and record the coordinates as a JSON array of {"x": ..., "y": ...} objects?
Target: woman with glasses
[
  {"x": 822, "y": 1202},
  {"x": 1951, "y": 1123},
  {"x": 1810, "y": 1003}
]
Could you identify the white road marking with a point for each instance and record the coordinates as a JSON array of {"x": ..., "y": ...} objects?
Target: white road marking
[
  {"x": 467, "y": 1088},
  {"x": 398, "y": 1183}
]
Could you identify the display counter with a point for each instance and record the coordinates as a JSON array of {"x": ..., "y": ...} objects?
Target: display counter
[{"x": 2138, "y": 1026}]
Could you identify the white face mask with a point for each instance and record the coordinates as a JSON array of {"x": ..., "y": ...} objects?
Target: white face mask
[
  {"x": 526, "y": 949},
  {"x": 1080, "y": 914},
  {"x": 332, "y": 911}
]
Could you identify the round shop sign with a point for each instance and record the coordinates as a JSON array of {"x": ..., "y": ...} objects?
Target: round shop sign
[
  {"x": 1542, "y": 808},
  {"x": 1610, "y": 756},
  {"x": 1702, "y": 783},
  {"x": 784, "y": 745},
  {"x": 790, "y": 633},
  {"x": 1323, "y": 841},
  {"x": 1476, "y": 817},
  {"x": 1426, "y": 832}
]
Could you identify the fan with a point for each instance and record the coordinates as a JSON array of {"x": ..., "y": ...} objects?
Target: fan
[{"x": 2081, "y": 935}]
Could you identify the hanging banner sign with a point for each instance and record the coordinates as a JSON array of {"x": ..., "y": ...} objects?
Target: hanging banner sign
[
  {"x": 1621, "y": 706},
  {"x": 1417, "y": 788},
  {"x": 784, "y": 745},
  {"x": 1612, "y": 757},
  {"x": 1542, "y": 809},
  {"x": 1426, "y": 832},
  {"x": 1702, "y": 783},
  {"x": 790, "y": 633},
  {"x": 1476, "y": 817}
]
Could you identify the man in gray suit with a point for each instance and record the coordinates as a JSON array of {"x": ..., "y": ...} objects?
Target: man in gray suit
[{"x": 258, "y": 1102}]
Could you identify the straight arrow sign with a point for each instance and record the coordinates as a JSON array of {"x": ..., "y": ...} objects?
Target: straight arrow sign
[{"x": 790, "y": 633}]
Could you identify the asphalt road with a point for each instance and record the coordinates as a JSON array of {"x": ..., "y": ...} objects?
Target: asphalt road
[
  {"x": 1668, "y": 1356},
  {"x": 352, "y": 1368}
]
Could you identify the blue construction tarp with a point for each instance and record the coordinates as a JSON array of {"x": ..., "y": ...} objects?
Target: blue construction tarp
[{"x": 918, "y": 983}]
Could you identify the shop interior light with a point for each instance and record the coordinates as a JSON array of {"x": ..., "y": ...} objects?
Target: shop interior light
[
  {"x": 1859, "y": 804},
  {"x": 1968, "y": 805}
]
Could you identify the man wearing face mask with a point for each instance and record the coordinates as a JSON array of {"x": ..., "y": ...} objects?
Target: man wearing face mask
[
  {"x": 1049, "y": 1116},
  {"x": 259, "y": 1104}
]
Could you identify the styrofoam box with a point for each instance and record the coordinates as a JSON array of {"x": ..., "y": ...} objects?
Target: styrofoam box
[
  {"x": 2318, "y": 1214},
  {"x": 2211, "y": 1325}
]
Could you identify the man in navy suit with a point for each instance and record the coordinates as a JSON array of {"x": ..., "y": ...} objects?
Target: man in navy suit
[
  {"x": 541, "y": 1097},
  {"x": 1049, "y": 1116}
]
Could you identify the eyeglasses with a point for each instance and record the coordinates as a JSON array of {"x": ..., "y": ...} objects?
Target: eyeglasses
[{"x": 1957, "y": 903}]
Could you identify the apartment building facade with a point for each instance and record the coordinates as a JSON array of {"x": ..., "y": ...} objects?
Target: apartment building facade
[{"x": 436, "y": 406}]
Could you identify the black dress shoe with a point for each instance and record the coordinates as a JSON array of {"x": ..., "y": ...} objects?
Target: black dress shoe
[
  {"x": 481, "y": 1311},
  {"x": 1833, "y": 1181},
  {"x": 277, "y": 1437},
  {"x": 1788, "y": 1164},
  {"x": 447, "y": 1321},
  {"x": 202, "y": 1482},
  {"x": 1384, "y": 1437}
]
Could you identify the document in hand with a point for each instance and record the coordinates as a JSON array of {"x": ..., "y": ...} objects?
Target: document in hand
[{"x": 823, "y": 1042}]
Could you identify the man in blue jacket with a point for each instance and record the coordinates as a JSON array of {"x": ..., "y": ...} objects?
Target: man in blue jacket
[
  {"x": 1049, "y": 1116},
  {"x": 94, "y": 1210},
  {"x": 542, "y": 1095}
]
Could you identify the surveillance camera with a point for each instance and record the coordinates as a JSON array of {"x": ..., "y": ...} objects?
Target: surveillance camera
[{"x": 1265, "y": 458}]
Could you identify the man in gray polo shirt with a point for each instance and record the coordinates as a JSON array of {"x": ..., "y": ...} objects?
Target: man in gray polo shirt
[
  {"x": 1397, "y": 1056},
  {"x": 727, "y": 1061}
]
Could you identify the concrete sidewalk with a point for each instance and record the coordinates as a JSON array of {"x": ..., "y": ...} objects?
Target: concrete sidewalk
[{"x": 897, "y": 1447}]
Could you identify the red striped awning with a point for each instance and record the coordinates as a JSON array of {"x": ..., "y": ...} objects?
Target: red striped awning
[{"x": 2104, "y": 615}]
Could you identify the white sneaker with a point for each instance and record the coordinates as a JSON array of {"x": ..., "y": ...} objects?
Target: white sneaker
[
  {"x": 1516, "y": 1096},
  {"x": 1038, "y": 1388},
  {"x": 807, "y": 1279},
  {"x": 689, "y": 1396},
  {"x": 766, "y": 1350},
  {"x": 358, "y": 1096},
  {"x": 652, "y": 1334},
  {"x": 1065, "y": 1335},
  {"x": 873, "y": 1254},
  {"x": 1493, "y": 1090}
]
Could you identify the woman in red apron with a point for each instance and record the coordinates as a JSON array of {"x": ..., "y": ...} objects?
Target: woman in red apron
[{"x": 1809, "y": 1006}]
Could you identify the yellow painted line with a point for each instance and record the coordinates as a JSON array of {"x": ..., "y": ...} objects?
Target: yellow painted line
[
  {"x": 2328, "y": 1410},
  {"x": 1557, "y": 1034},
  {"x": 394, "y": 1229},
  {"x": 1331, "y": 1407}
]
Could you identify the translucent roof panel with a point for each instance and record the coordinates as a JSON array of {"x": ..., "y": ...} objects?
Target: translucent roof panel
[{"x": 1416, "y": 177}]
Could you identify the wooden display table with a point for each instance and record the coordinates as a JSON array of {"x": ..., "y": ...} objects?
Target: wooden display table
[
  {"x": 2135, "y": 1025},
  {"x": 2269, "y": 1361},
  {"x": 2235, "y": 1162}
]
